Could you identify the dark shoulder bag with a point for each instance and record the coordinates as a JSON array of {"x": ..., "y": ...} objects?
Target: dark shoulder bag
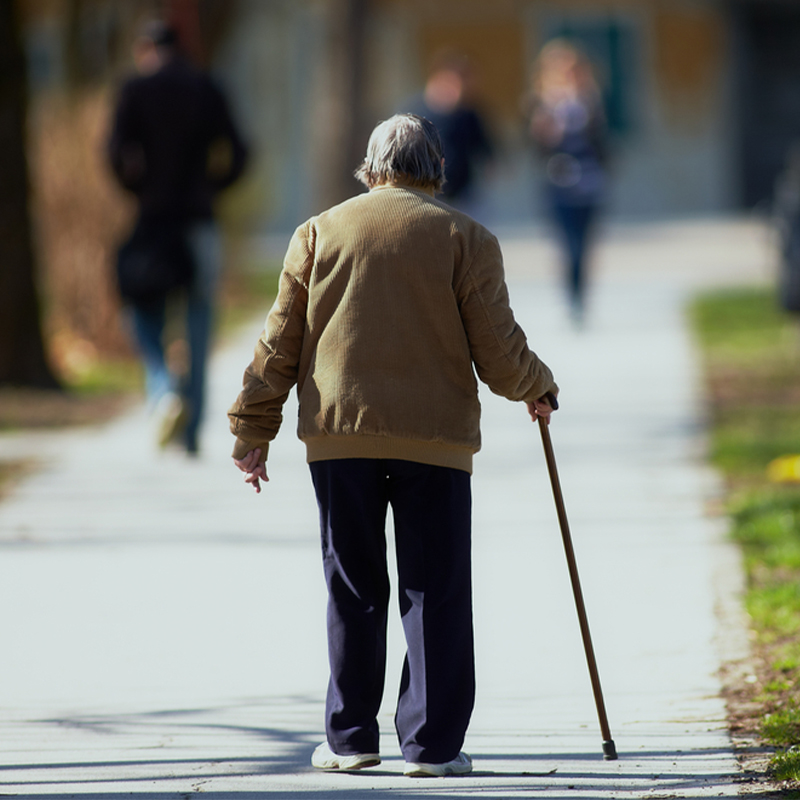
[{"x": 155, "y": 261}]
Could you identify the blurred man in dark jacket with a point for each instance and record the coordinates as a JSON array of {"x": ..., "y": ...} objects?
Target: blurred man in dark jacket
[
  {"x": 174, "y": 144},
  {"x": 446, "y": 102}
]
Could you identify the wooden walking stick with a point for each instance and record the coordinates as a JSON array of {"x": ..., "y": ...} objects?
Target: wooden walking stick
[{"x": 609, "y": 749}]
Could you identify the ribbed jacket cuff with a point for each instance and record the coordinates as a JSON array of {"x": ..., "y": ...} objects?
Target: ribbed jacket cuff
[{"x": 242, "y": 448}]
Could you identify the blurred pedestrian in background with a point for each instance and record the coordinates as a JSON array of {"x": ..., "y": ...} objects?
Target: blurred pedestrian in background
[
  {"x": 786, "y": 213},
  {"x": 174, "y": 144},
  {"x": 568, "y": 126},
  {"x": 388, "y": 304},
  {"x": 447, "y": 103}
]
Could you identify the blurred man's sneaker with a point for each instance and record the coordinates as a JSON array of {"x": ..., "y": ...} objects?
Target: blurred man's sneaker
[
  {"x": 460, "y": 765},
  {"x": 325, "y": 758},
  {"x": 171, "y": 415}
]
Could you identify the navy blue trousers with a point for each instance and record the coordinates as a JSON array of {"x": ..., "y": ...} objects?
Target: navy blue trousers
[
  {"x": 432, "y": 509},
  {"x": 575, "y": 222}
]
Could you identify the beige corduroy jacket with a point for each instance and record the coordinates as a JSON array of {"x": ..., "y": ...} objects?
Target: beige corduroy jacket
[{"x": 388, "y": 306}]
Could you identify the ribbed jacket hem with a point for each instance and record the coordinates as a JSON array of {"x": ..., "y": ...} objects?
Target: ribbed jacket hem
[{"x": 439, "y": 454}]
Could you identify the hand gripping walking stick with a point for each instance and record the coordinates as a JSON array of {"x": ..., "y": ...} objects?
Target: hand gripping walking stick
[{"x": 609, "y": 749}]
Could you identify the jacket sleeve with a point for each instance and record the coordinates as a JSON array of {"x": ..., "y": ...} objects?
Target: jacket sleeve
[
  {"x": 125, "y": 151},
  {"x": 498, "y": 345},
  {"x": 256, "y": 416}
]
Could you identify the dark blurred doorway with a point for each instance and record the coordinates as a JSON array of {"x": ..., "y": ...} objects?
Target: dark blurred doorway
[{"x": 767, "y": 90}]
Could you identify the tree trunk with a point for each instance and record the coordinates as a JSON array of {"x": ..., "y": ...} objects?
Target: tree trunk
[
  {"x": 22, "y": 357},
  {"x": 339, "y": 111}
]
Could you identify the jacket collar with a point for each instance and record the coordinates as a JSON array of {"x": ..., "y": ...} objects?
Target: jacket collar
[{"x": 407, "y": 187}]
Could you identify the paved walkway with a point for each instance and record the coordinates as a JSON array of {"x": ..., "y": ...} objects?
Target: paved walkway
[{"x": 162, "y": 627}]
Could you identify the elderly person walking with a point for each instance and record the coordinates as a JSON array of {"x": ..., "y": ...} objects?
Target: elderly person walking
[{"x": 388, "y": 305}]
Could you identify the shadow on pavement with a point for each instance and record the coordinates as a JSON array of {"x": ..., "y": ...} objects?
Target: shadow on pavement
[{"x": 194, "y": 749}]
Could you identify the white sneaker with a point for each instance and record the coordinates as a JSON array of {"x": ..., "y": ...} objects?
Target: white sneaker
[
  {"x": 325, "y": 758},
  {"x": 460, "y": 765}
]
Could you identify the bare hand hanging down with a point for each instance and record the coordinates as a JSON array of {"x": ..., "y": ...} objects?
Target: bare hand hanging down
[{"x": 255, "y": 469}]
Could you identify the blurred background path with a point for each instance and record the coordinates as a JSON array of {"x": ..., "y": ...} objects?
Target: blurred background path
[{"x": 163, "y": 627}]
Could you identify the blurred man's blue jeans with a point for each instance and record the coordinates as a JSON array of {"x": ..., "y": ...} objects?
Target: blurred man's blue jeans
[{"x": 149, "y": 321}]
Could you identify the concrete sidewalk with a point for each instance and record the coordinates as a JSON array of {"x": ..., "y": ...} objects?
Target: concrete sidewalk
[{"x": 163, "y": 627}]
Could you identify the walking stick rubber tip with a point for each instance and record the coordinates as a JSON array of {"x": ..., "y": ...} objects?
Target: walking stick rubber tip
[{"x": 609, "y": 750}]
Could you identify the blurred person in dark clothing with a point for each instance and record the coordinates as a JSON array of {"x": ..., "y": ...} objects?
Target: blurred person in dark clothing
[
  {"x": 786, "y": 218},
  {"x": 174, "y": 144},
  {"x": 445, "y": 102},
  {"x": 568, "y": 126}
]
